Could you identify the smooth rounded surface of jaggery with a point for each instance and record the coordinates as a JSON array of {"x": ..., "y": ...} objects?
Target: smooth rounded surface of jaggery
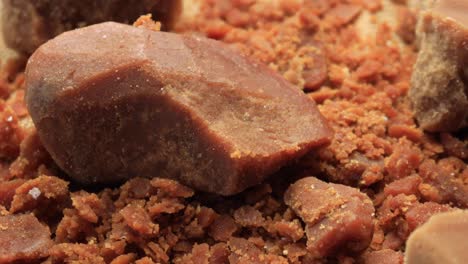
[{"x": 131, "y": 102}]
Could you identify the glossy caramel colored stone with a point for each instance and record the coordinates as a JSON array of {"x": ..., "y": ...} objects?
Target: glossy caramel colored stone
[{"x": 112, "y": 102}]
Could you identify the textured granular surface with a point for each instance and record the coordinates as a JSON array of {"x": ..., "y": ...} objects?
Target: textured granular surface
[{"x": 360, "y": 84}]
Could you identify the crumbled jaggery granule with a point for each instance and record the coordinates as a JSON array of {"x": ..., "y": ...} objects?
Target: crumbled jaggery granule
[{"x": 360, "y": 83}]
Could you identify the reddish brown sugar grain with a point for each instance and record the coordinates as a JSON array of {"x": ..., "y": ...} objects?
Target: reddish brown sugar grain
[
  {"x": 190, "y": 108},
  {"x": 419, "y": 214},
  {"x": 7, "y": 191},
  {"x": 409, "y": 175},
  {"x": 385, "y": 256},
  {"x": 23, "y": 237},
  {"x": 338, "y": 218}
]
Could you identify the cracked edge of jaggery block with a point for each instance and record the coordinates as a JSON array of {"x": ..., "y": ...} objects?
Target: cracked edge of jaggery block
[{"x": 439, "y": 82}]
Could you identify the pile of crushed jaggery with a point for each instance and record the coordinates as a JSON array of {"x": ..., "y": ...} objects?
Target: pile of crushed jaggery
[{"x": 360, "y": 84}]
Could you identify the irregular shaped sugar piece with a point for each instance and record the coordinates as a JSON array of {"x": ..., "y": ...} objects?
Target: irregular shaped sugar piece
[
  {"x": 130, "y": 102},
  {"x": 23, "y": 238},
  {"x": 439, "y": 92},
  {"x": 223, "y": 228},
  {"x": 43, "y": 191},
  {"x": 315, "y": 71},
  {"x": 7, "y": 191},
  {"x": 29, "y": 23},
  {"x": 384, "y": 256},
  {"x": 138, "y": 219},
  {"x": 344, "y": 13},
  {"x": 408, "y": 185},
  {"x": 420, "y": 213},
  {"x": 244, "y": 251},
  {"x": 337, "y": 217},
  {"x": 442, "y": 239}
]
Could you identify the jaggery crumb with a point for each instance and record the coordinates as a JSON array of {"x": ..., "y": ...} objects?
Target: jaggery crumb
[
  {"x": 147, "y": 22},
  {"x": 360, "y": 84}
]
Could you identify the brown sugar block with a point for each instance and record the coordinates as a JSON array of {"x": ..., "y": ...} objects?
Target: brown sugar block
[
  {"x": 338, "y": 218},
  {"x": 23, "y": 238},
  {"x": 439, "y": 91},
  {"x": 29, "y": 23},
  {"x": 442, "y": 239},
  {"x": 130, "y": 102}
]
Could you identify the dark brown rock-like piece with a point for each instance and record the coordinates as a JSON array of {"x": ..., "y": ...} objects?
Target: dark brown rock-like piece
[
  {"x": 130, "y": 102},
  {"x": 337, "y": 217},
  {"x": 442, "y": 239},
  {"x": 23, "y": 238},
  {"x": 29, "y": 23},
  {"x": 439, "y": 91}
]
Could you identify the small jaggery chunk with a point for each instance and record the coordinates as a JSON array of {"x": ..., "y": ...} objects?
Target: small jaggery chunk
[
  {"x": 337, "y": 217},
  {"x": 7, "y": 191},
  {"x": 41, "y": 191},
  {"x": 29, "y": 23},
  {"x": 131, "y": 102},
  {"x": 439, "y": 91},
  {"x": 243, "y": 251},
  {"x": 22, "y": 238},
  {"x": 384, "y": 256},
  {"x": 442, "y": 239},
  {"x": 139, "y": 220},
  {"x": 420, "y": 213}
]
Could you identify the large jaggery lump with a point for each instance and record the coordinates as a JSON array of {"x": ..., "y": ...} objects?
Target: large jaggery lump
[
  {"x": 338, "y": 218},
  {"x": 130, "y": 102},
  {"x": 442, "y": 239},
  {"x": 29, "y": 23},
  {"x": 23, "y": 238},
  {"x": 439, "y": 91}
]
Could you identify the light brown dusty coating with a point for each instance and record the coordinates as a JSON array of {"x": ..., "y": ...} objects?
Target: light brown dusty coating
[
  {"x": 131, "y": 102},
  {"x": 29, "y": 23},
  {"x": 442, "y": 239},
  {"x": 438, "y": 86}
]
